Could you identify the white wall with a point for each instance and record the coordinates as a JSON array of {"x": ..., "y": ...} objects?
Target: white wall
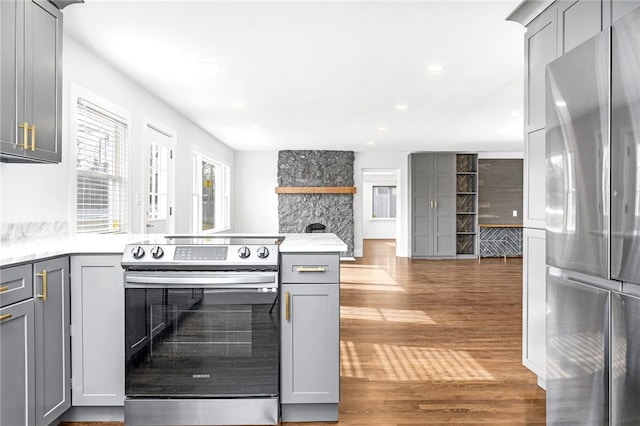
[
  {"x": 377, "y": 228},
  {"x": 255, "y": 198},
  {"x": 45, "y": 192}
]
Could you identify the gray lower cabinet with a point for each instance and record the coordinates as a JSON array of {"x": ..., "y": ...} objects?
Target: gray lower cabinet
[
  {"x": 30, "y": 81},
  {"x": 52, "y": 339},
  {"x": 310, "y": 338},
  {"x": 433, "y": 204},
  {"x": 97, "y": 315},
  {"x": 17, "y": 380}
]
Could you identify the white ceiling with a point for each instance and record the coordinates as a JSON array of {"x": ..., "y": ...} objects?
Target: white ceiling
[{"x": 323, "y": 74}]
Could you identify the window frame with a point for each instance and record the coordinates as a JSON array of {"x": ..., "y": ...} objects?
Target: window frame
[
  {"x": 222, "y": 200},
  {"x": 375, "y": 185},
  {"x": 78, "y": 92}
]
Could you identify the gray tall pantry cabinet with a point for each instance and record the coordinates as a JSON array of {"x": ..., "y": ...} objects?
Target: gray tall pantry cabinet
[
  {"x": 310, "y": 336},
  {"x": 30, "y": 81},
  {"x": 433, "y": 204}
]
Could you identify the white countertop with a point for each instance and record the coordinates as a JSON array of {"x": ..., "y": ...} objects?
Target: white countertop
[{"x": 34, "y": 249}]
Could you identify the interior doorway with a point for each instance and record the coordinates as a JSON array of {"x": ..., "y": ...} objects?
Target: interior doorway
[{"x": 380, "y": 203}]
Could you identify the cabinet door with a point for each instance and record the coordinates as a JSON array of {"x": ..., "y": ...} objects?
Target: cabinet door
[
  {"x": 540, "y": 49},
  {"x": 444, "y": 183},
  {"x": 15, "y": 284},
  {"x": 52, "y": 341},
  {"x": 310, "y": 359},
  {"x": 43, "y": 82},
  {"x": 16, "y": 363},
  {"x": 422, "y": 197},
  {"x": 578, "y": 21},
  {"x": 534, "y": 180},
  {"x": 11, "y": 71},
  {"x": 97, "y": 315},
  {"x": 534, "y": 292}
]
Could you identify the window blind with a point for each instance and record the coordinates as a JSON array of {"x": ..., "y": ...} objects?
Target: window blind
[{"x": 102, "y": 201}]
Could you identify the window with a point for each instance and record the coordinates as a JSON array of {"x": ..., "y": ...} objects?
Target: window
[
  {"x": 211, "y": 188},
  {"x": 102, "y": 201},
  {"x": 384, "y": 202}
]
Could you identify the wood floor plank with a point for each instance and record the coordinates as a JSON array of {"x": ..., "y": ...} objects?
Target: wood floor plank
[{"x": 432, "y": 342}]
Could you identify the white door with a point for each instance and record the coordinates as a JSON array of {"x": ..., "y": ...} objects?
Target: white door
[{"x": 159, "y": 182}]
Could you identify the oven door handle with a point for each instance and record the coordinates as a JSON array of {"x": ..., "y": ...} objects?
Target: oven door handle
[{"x": 200, "y": 281}]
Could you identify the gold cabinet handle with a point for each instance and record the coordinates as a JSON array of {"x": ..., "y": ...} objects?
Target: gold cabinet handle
[
  {"x": 435, "y": 204},
  {"x": 287, "y": 302},
  {"x": 33, "y": 137},
  {"x": 3, "y": 289},
  {"x": 5, "y": 317},
  {"x": 431, "y": 203},
  {"x": 311, "y": 269},
  {"x": 25, "y": 134},
  {"x": 43, "y": 296}
]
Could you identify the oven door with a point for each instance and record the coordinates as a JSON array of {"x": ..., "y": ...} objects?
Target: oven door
[{"x": 201, "y": 334}]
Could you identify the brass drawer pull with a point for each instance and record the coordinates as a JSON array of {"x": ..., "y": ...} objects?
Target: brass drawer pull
[
  {"x": 5, "y": 317},
  {"x": 43, "y": 296},
  {"x": 3, "y": 289},
  {"x": 33, "y": 137},
  {"x": 25, "y": 134},
  {"x": 311, "y": 269},
  {"x": 287, "y": 302}
]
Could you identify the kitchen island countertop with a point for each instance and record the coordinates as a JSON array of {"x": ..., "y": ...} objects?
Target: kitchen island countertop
[{"x": 14, "y": 252}]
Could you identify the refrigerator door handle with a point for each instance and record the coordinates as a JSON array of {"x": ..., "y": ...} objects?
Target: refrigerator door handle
[{"x": 585, "y": 279}]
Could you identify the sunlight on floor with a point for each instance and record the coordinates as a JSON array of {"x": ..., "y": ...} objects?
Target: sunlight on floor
[
  {"x": 406, "y": 363},
  {"x": 367, "y": 277},
  {"x": 391, "y": 315}
]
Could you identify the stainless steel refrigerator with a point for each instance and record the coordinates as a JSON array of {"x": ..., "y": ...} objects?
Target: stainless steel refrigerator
[{"x": 593, "y": 223}]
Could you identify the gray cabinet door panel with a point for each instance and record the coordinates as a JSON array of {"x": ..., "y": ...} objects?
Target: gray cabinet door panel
[
  {"x": 625, "y": 360},
  {"x": 11, "y": 67},
  {"x": 578, "y": 21},
  {"x": 311, "y": 344},
  {"x": 619, "y": 8},
  {"x": 17, "y": 385},
  {"x": 540, "y": 48},
  {"x": 15, "y": 284},
  {"x": 43, "y": 82},
  {"x": 52, "y": 341}
]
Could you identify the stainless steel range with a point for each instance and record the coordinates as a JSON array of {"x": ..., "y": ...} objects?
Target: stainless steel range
[{"x": 202, "y": 331}]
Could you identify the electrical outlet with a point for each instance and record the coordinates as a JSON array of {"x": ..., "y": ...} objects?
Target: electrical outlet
[
  {"x": 515, "y": 213},
  {"x": 138, "y": 199}
]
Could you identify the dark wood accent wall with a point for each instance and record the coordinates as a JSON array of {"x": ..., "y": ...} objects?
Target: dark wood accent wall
[{"x": 500, "y": 191}]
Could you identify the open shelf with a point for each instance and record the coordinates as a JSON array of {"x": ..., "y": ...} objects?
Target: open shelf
[{"x": 466, "y": 204}]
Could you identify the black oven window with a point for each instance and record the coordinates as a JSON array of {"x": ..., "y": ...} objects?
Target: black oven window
[{"x": 205, "y": 343}]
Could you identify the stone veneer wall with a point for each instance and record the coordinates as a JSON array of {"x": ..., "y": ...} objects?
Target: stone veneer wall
[{"x": 316, "y": 168}]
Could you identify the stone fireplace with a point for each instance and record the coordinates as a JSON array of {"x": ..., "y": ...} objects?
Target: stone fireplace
[{"x": 319, "y": 183}]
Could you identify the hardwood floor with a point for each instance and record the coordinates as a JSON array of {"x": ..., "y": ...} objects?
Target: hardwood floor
[
  {"x": 433, "y": 342},
  {"x": 427, "y": 342}
]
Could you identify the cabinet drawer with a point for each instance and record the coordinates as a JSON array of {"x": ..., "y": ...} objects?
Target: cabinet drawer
[
  {"x": 16, "y": 284},
  {"x": 310, "y": 268}
]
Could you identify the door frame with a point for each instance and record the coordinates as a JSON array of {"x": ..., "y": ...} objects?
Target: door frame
[{"x": 152, "y": 125}]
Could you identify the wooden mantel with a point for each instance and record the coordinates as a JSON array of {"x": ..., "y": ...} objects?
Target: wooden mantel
[{"x": 315, "y": 190}]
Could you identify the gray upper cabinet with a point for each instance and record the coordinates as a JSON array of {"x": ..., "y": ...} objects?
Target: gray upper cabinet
[
  {"x": 16, "y": 364},
  {"x": 578, "y": 21},
  {"x": 52, "y": 339},
  {"x": 541, "y": 47},
  {"x": 30, "y": 81},
  {"x": 433, "y": 204}
]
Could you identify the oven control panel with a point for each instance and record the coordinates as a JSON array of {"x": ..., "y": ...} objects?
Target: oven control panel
[{"x": 210, "y": 256}]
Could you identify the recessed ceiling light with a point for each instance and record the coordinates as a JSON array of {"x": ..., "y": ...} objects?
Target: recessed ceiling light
[
  {"x": 211, "y": 65},
  {"x": 382, "y": 129},
  {"x": 516, "y": 113},
  {"x": 435, "y": 68},
  {"x": 561, "y": 104},
  {"x": 402, "y": 107},
  {"x": 371, "y": 143},
  {"x": 239, "y": 105}
]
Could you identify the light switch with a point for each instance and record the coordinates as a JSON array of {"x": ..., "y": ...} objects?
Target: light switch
[
  {"x": 515, "y": 213},
  {"x": 138, "y": 199}
]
